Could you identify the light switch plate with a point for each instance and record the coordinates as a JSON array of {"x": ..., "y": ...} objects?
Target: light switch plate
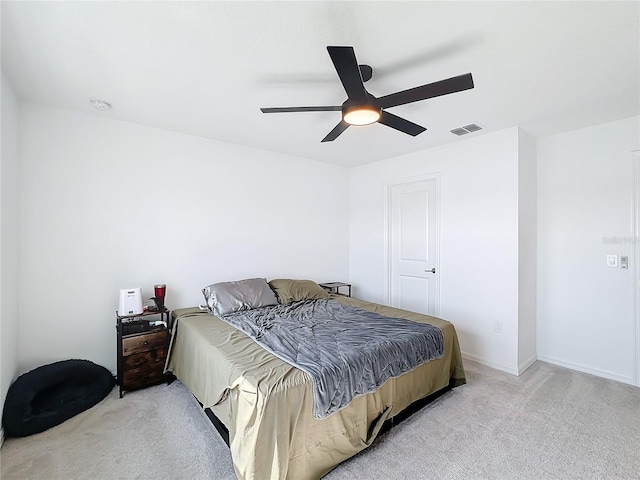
[{"x": 612, "y": 261}]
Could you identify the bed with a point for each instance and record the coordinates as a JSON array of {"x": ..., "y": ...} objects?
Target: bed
[{"x": 266, "y": 404}]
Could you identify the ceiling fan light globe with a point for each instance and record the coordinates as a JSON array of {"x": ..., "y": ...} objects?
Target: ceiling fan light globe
[{"x": 361, "y": 116}]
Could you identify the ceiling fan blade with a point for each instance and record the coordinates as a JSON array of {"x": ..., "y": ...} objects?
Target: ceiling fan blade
[
  {"x": 399, "y": 123},
  {"x": 335, "y": 133},
  {"x": 300, "y": 109},
  {"x": 344, "y": 59},
  {"x": 436, "y": 89}
]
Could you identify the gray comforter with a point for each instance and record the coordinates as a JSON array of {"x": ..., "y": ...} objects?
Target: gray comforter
[{"x": 347, "y": 351}]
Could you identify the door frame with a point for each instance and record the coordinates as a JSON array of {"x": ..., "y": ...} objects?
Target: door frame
[
  {"x": 635, "y": 232},
  {"x": 388, "y": 186}
]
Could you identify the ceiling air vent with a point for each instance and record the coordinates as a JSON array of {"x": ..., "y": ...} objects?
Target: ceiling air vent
[{"x": 472, "y": 127}]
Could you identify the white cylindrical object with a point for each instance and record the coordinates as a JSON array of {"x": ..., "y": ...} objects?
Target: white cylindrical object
[{"x": 130, "y": 302}]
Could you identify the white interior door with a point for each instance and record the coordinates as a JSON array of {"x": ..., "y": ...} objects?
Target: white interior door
[{"x": 413, "y": 246}]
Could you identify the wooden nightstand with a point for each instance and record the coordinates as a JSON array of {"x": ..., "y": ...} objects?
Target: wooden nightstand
[
  {"x": 334, "y": 287},
  {"x": 142, "y": 350}
]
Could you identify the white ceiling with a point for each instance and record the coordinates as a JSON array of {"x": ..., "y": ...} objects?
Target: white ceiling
[{"x": 205, "y": 68}]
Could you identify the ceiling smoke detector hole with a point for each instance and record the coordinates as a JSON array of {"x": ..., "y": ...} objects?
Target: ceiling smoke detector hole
[{"x": 99, "y": 104}]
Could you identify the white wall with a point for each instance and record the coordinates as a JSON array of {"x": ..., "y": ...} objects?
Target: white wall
[
  {"x": 585, "y": 192},
  {"x": 527, "y": 246},
  {"x": 106, "y": 205},
  {"x": 8, "y": 239},
  {"x": 479, "y": 237}
]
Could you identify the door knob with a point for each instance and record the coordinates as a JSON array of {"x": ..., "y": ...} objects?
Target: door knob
[{"x": 433, "y": 270}]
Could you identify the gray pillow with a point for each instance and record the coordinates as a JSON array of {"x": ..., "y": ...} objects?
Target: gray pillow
[{"x": 227, "y": 297}]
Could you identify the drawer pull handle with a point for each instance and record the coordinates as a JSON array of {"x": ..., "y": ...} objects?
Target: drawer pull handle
[{"x": 146, "y": 342}]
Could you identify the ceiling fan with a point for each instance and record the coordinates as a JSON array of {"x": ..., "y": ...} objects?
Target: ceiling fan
[{"x": 362, "y": 108}]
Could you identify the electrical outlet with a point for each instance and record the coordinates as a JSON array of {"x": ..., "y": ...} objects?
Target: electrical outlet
[{"x": 497, "y": 326}]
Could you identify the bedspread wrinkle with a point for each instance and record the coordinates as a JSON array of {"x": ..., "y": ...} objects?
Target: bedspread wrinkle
[{"x": 347, "y": 351}]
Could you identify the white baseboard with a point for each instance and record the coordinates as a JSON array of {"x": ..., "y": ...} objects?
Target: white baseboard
[
  {"x": 512, "y": 371},
  {"x": 495, "y": 366},
  {"x": 526, "y": 364},
  {"x": 591, "y": 371},
  {"x": 555, "y": 361}
]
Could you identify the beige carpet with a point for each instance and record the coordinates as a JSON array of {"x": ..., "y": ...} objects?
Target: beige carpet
[{"x": 549, "y": 423}]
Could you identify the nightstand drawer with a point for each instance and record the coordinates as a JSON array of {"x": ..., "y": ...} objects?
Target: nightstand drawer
[
  {"x": 142, "y": 378},
  {"x": 143, "y": 343},
  {"x": 145, "y": 359}
]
